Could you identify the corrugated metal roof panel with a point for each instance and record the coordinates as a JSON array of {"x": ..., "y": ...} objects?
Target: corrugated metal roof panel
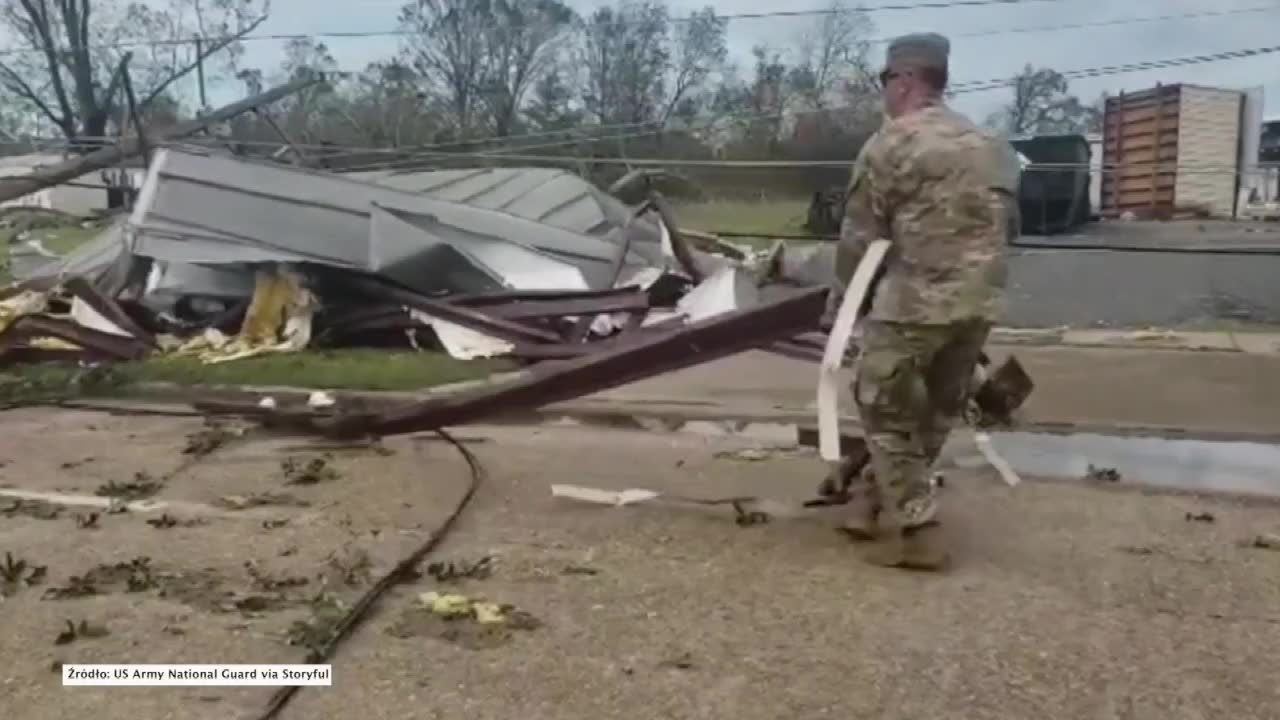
[
  {"x": 548, "y": 195},
  {"x": 200, "y": 207}
]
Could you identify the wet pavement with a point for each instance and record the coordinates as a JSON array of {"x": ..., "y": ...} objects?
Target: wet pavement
[
  {"x": 1114, "y": 289},
  {"x": 1181, "y": 464}
]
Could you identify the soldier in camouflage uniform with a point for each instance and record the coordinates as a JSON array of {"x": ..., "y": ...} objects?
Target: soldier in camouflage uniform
[{"x": 943, "y": 192}]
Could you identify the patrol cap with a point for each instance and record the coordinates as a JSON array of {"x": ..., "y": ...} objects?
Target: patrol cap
[{"x": 919, "y": 49}]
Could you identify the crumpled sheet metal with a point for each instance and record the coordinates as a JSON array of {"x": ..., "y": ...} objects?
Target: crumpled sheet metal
[{"x": 213, "y": 209}]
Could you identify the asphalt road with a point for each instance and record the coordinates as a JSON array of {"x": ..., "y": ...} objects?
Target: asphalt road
[{"x": 1104, "y": 288}]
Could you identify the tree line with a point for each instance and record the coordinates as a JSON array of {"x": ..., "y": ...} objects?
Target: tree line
[{"x": 464, "y": 71}]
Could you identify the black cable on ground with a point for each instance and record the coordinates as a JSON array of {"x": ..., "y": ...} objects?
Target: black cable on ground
[{"x": 404, "y": 571}]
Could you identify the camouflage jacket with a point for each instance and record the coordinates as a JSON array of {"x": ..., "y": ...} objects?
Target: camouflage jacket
[{"x": 944, "y": 193}]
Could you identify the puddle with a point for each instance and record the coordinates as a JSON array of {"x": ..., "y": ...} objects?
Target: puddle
[
  {"x": 1184, "y": 464},
  {"x": 1238, "y": 467}
]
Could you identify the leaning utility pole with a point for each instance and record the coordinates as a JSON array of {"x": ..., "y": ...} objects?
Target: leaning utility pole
[{"x": 12, "y": 188}]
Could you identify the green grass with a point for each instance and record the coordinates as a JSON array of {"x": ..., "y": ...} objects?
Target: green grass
[
  {"x": 785, "y": 217},
  {"x": 60, "y": 240},
  {"x": 354, "y": 369},
  {"x": 347, "y": 369},
  {"x": 64, "y": 240}
]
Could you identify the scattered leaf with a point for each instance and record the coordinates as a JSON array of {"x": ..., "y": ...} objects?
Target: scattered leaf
[
  {"x": 87, "y": 521},
  {"x": 311, "y": 472},
  {"x": 163, "y": 522},
  {"x": 683, "y": 661},
  {"x": 579, "y": 570},
  {"x": 1203, "y": 517},
  {"x": 450, "y": 572},
  {"x": 17, "y": 573},
  {"x": 1100, "y": 474},
  {"x": 1267, "y": 542},
  {"x": 208, "y": 440},
  {"x": 265, "y": 581},
  {"x": 246, "y": 502},
  {"x": 316, "y": 632},
  {"x": 142, "y": 487},
  {"x": 76, "y": 587},
  {"x": 83, "y": 631},
  {"x": 37, "y": 509},
  {"x": 353, "y": 567}
]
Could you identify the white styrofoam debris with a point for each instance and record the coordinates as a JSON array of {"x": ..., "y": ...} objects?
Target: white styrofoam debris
[
  {"x": 729, "y": 289},
  {"x": 463, "y": 343},
  {"x": 321, "y": 399},
  {"x": 603, "y": 497}
]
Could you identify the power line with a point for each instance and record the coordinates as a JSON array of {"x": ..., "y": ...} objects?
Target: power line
[
  {"x": 1105, "y": 23},
  {"x": 1017, "y": 30},
  {"x": 421, "y": 153},
  {"x": 976, "y": 86},
  {"x": 355, "y": 34},
  {"x": 731, "y": 16}
]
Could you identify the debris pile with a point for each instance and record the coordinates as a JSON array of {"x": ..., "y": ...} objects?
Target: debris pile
[{"x": 224, "y": 258}]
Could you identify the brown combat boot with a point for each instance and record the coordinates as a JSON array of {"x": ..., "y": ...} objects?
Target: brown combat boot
[
  {"x": 908, "y": 547},
  {"x": 862, "y": 521}
]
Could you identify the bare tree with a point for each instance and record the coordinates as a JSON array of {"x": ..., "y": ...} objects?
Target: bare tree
[
  {"x": 447, "y": 50},
  {"x": 306, "y": 113},
  {"x": 551, "y": 106},
  {"x": 698, "y": 51},
  {"x": 81, "y": 48},
  {"x": 385, "y": 107},
  {"x": 1041, "y": 104},
  {"x": 521, "y": 43},
  {"x": 832, "y": 55},
  {"x": 625, "y": 55}
]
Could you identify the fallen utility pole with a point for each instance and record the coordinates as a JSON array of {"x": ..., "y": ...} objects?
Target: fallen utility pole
[{"x": 12, "y": 188}]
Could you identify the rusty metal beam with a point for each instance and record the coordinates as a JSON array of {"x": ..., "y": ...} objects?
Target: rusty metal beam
[
  {"x": 709, "y": 340},
  {"x": 633, "y": 302},
  {"x": 121, "y": 348},
  {"x": 108, "y": 308},
  {"x": 472, "y": 319},
  {"x": 509, "y": 296}
]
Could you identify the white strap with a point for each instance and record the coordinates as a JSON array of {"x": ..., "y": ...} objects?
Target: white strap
[{"x": 838, "y": 345}]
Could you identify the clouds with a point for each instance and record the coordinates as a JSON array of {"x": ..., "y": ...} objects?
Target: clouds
[{"x": 973, "y": 58}]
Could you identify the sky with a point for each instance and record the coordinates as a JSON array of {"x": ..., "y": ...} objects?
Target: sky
[{"x": 984, "y": 57}]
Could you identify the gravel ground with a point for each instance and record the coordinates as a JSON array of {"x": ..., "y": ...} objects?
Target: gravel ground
[{"x": 1064, "y": 602}]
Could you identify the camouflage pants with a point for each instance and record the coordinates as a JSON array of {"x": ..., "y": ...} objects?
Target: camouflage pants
[{"x": 912, "y": 383}]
